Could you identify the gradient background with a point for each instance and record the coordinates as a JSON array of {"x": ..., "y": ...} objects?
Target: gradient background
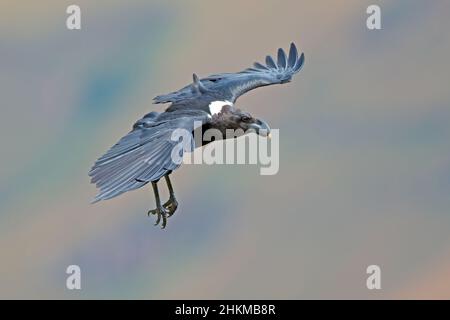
[{"x": 364, "y": 158}]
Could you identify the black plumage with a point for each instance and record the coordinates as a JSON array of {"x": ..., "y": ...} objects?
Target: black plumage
[
  {"x": 230, "y": 86},
  {"x": 145, "y": 154}
]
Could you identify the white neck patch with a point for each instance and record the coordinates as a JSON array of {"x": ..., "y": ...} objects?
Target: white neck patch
[{"x": 216, "y": 106}]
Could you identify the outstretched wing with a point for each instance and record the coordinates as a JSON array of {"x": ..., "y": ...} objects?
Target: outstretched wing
[
  {"x": 151, "y": 150},
  {"x": 230, "y": 86}
]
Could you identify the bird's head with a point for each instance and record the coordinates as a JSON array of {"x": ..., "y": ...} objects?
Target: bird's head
[{"x": 232, "y": 118}]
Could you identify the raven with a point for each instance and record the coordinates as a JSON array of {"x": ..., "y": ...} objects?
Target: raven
[{"x": 145, "y": 154}]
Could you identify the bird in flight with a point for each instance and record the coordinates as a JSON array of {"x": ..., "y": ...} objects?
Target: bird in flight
[{"x": 145, "y": 154}]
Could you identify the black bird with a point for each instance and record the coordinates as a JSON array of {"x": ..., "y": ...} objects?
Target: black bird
[{"x": 145, "y": 154}]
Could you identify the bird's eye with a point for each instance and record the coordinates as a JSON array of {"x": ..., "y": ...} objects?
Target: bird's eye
[{"x": 245, "y": 118}]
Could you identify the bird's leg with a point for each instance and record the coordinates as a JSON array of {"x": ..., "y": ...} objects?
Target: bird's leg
[
  {"x": 172, "y": 204},
  {"x": 160, "y": 211}
]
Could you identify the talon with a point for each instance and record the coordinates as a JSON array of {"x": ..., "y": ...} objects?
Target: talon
[
  {"x": 164, "y": 222},
  {"x": 171, "y": 206},
  {"x": 167, "y": 209},
  {"x": 158, "y": 218},
  {"x": 159, "y": 212},
  {"x": 153, "y": 212}
]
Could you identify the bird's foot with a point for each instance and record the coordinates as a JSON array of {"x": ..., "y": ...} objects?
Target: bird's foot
[
  {"x": 161, "y": 214},
  {"x": 171, "y": 206}
]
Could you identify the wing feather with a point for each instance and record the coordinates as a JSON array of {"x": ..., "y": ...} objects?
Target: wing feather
[
  {"x": 230, "y": 86},
  {"x": 270, "y": 63},
  {"x": 293, "y": 56},
  {"x": 281, "y": 59},
  {"x": 143, "y": 155}
]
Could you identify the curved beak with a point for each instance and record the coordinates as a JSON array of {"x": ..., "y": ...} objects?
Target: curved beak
[{"x": 261, "y": 127}]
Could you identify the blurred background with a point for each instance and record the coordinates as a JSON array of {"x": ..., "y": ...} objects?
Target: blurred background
[{"x": 364, "y": 158}]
